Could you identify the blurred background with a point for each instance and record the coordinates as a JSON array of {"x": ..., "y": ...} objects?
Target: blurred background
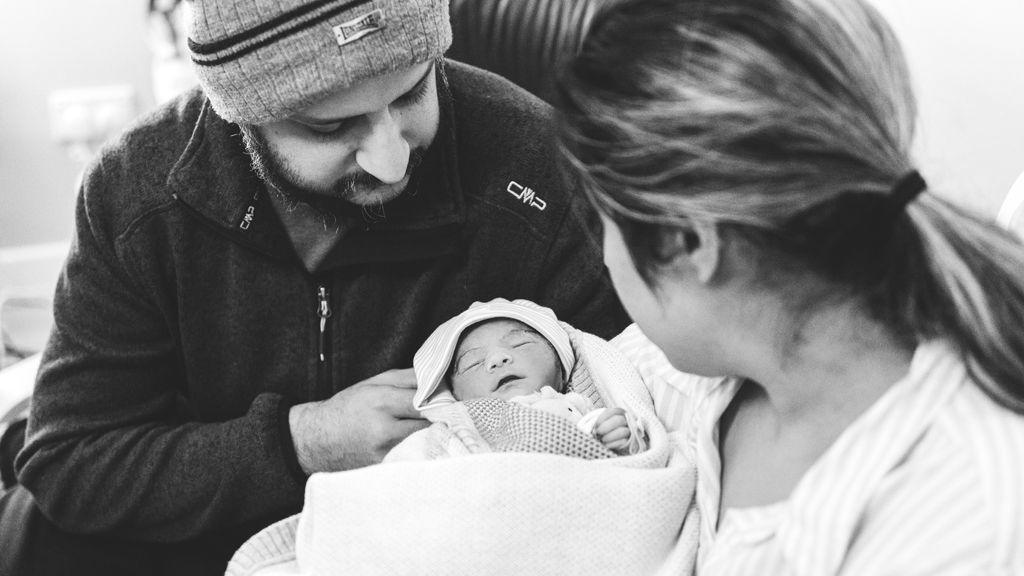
[{"x": 73, "y": 73}]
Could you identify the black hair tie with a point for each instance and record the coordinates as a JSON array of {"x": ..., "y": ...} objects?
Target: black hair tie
[{"x": 906, "y": 190}]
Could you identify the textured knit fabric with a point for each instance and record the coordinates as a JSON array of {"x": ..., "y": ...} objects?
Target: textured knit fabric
[
  {"x": 431, "y": 361},
  {"x": 265, "y": 60},
  {"x": 182, "y": 337},
  {"x": 512, "y": 427},
  {"x": 502, "y": 513},
  {"x": 927, "y": 481},
  {"x": 484, "y": 425}
]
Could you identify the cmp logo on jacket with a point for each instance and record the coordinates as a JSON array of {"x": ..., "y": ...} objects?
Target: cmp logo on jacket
[
  {"x": 526, "y": 195},
  {"x": 357, "y": 28}
]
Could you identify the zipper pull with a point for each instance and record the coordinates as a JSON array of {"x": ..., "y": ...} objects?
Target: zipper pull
[{"x": 324, "y": 312}]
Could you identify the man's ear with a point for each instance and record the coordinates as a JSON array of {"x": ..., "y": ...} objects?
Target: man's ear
[{"x": 697, "y": 246}]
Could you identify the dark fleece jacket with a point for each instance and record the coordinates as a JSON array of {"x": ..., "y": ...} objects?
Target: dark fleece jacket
[{"x": 186, "y": 326}]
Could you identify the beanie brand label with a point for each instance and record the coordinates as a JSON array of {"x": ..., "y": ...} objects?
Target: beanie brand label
[{"x": 357, "y": 28}]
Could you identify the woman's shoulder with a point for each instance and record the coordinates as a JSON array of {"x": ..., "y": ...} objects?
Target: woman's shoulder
[
  {"x": 956, "y": 499},
  {"x": 991, "y": 438},
  {"x": 949, "y": 499}
]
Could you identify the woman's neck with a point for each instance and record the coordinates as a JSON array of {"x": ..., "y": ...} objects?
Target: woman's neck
[
  {"x": 798, "y": 400},
  {"x": 834, "y": 365}
]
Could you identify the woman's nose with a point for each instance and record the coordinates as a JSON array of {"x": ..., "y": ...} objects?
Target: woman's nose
[{"x": 498, "y": 359}]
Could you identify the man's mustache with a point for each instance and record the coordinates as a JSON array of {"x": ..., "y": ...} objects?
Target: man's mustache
[{"x": 364, "y": 179}]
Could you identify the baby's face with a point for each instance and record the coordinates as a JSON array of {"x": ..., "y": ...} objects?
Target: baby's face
[{"x": 503, "y": 358}]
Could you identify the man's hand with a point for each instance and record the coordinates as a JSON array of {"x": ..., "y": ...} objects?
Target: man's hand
[
  {"x": 612, "y": 430},
  {"x": 357, "y": 426}
]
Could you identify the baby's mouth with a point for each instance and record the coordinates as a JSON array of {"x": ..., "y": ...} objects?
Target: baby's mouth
[{"x": 508, "y": 378}]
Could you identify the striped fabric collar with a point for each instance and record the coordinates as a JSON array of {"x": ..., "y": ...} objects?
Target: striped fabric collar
[
  {"x": 826, "y": 506},
  {"x": 817, "y": 524}
]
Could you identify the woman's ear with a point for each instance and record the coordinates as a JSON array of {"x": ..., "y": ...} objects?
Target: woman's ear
[
  {"x": 705, "y": 255},
  {"x": 697, "y": 246}
]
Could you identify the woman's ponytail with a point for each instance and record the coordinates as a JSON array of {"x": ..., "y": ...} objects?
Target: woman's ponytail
[{"x": 972, "y": 295}]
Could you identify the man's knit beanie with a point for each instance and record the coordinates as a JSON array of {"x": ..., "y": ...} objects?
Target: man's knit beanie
[{"x": 264, "y": 60}]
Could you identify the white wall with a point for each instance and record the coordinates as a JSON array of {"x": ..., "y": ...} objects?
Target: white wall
[
  {"x": 47, "y": 45},
  {"x": 967, "y": 62}
]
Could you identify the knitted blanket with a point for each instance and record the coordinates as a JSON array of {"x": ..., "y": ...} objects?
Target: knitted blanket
[
  {"x": 522, "y": 506},
  {"x": 492, "y": 425}
]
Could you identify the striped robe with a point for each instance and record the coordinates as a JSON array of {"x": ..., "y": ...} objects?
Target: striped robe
[{"x": 929, "y": 480}]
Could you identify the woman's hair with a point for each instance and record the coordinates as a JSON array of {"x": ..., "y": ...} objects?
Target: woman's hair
[{"x": 788, "y": 124}]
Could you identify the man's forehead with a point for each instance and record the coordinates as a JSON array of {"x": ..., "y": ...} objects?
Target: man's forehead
[{"x": 366, "y": 96}]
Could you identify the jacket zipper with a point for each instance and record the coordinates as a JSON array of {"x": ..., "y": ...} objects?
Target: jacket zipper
[
  {"x": 325, "y": 378},
  {"x": 324, "y": 312}
]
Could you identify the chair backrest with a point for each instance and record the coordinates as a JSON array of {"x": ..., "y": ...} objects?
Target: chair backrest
[
  {"x": 1011, "y": 214},
  {"x": 523, "y": 40}
]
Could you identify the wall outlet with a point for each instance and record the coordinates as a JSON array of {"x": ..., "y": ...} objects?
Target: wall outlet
[{"x": 90, "y": 115}]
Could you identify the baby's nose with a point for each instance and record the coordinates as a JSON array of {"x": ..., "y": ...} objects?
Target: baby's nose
[{"x": 498, "y": 359}]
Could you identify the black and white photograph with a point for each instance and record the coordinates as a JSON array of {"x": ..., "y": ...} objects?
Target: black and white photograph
[{"x": 512, "y": 288}]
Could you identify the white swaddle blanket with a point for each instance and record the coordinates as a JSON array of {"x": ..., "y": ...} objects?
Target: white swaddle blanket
[{"x": 500, "y": 513}]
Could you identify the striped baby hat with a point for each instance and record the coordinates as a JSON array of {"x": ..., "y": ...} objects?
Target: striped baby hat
[{"x": 431, "y": 361}]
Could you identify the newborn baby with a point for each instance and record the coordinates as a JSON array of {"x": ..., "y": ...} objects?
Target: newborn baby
[
  {"x": 516, "y": 352},
  {"x": 508, "y": 359}
]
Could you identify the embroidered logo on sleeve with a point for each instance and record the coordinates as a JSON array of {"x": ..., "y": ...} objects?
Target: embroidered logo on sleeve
[
  {"x": 526, "y": 195},
  {"x": 360, "y": 27},
  {"x": 247, "y": 218}
]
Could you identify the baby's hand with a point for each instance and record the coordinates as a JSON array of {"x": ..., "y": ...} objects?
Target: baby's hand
[{"x": 612, "y": 430}]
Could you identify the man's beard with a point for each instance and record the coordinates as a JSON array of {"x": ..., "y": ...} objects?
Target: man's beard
[{"x": 332, "y": 202}]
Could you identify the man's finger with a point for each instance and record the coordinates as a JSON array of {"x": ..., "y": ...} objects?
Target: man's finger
[
  {"x": 399, "y": 378},
  {"x": 407, "y": 426},
  {"x": 398, "y": 403}
]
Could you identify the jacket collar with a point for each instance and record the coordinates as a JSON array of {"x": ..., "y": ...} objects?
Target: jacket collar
[{"x": 214, "y": 179}]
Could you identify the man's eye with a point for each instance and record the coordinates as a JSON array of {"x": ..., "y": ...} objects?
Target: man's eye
[
  {"x": 414, "y": 97},
  {"x": 325, "y": 129}
]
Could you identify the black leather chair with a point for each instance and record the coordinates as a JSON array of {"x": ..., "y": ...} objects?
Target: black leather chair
[{"x": 523, "y": 40}]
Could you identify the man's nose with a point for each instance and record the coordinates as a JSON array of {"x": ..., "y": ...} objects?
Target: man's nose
[
  {"x": 498, "y": 359},
  {"x": 384, "y": 153}
]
